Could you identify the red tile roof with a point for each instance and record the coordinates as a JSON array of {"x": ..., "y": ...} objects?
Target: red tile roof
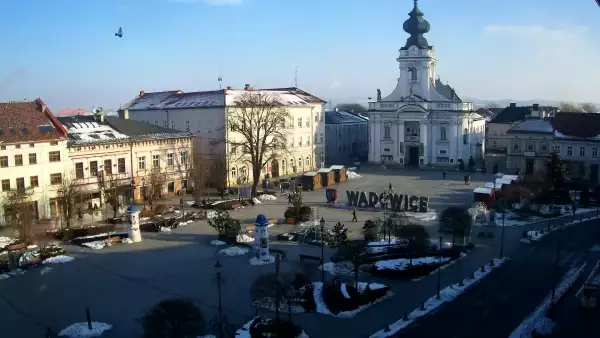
[
  {"x": 28, "y": 122},
  {"x": 582, "y": 125}
]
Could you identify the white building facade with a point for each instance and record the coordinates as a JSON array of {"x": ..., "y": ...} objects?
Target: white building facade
[
  {"x": 346, "y": 137},
  {"x": 204, "y": 114},
  {"x": 33, "y": 157},
  {"x": 423, "y": 122}
]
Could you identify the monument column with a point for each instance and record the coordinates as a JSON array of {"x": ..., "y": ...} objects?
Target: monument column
[
  {"x": 133, "y": 224},
  {"x": 261, "y": 239}
]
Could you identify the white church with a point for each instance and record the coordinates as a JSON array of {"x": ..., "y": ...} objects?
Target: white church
[{"x": 423, "y": 122}]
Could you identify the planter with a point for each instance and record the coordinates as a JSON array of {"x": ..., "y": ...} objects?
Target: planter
[
  {"x": 16, "y": 247},
  {"x": 33, "y": 261},
  {"x": 113, "y": 240},
  {"x": 290, "y": 220}
]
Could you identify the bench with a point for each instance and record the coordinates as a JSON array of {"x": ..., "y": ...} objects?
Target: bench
[{"x": 309, "y": 258}]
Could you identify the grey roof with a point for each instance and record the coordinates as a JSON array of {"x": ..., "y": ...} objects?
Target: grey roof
[
  {"x": 446, "y": 91},
  {"x": 533, "y": 126},
  {"x": 136, "y": 128},
  {"x": 177, "y": 99},
  {"x": 343, "y": 117},
  {"x": 511, "y": 114}
]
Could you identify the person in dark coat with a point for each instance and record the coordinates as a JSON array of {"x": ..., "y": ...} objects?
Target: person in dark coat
[
  {"x": 354, "y": 219},
  {"x": 444, "y": 174}
]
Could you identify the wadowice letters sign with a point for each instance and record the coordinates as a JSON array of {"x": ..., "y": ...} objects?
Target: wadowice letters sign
[{"x": 397, "y": 202}]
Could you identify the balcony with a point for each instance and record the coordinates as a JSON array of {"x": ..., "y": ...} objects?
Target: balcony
[
  {"x": 412, "y": 138},
  {"x": 496, "y": 151}
]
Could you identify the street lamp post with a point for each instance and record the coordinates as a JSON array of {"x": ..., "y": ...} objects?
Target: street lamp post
[
  {"x": 555, "y": 281},
  {"x": 439, "y": 272},
  {"x": 502, "y": 233},
  {"x": 277, "y": 289},
  {"x": 218, "y": 267},
  {"x": 322, "y": 224}
]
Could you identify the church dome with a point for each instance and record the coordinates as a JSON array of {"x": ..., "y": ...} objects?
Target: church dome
[{"x": 416, "y": 26}]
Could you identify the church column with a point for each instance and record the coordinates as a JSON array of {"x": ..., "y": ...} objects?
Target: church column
[
  {"x": 432, "y": 141},
  {"x": 423, "y": 125}
]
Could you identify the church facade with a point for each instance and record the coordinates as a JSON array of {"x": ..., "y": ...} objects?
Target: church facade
[{"x": 423, "y": 122}]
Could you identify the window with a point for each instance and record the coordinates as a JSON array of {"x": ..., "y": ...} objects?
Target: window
[
  {"x": 581, "y": 151},
  {"x": 18, "y": 160},
  {"x": 530, "y": 147},
  {"x": 292, "y": 165},
  {"x": 54, "y": 156},
  {"x": 321, "y": 138},
  {"x": 170, "y": 160},
  {"x": 33, "y": 181},
  {"x": 516, "y": 147},
  {"x": 307, "y": 161},
  {"x": 18, "y": 146},
  {"x": 79, "y": 170},
  {"x": 594, "y": 152},
  {"x": 183, "y": 158},
  {"x": 465, "y": 136},
  {"x": 300, "y": 142},
  {"x": 108, "y": 166},
  {"x": 233, "y": 150},
  {"x": 21, "y": 183},
  {"x": 172, "y": 124},
  {"x": 5, "y": 185},
  {"x": 569, "y": 151},
  {"x": 300, "y": 162},
  {"x": 54, "y": 143},
  {"x": 155, "y": 161},
  {"x": 544, "y": 148},
  {"x": 316, "y": 140},
  {"x": 187, "y": 125},
  {"x": 32, "y": 159},
  {"x": 442, "y": 151},
  {"x": 316, "y": 117},
  {"x": 94, "y": 168},
  {"x": 31, "y": 145},
  {"x": 307, "y": 123},
  {"x": 413, "y": 73},
  {"x": 233, "y": 173},
  {"x": 121, "y": 165},
  {"x": 408, "y": 130},
  {"x": 556, "y": 149},
  {"x": 166, "y": 124},
  {"x": 299, "y": 122},
  {"x": 55, "y": 179},
  {"x": 443, "y": 135},
  {"x": 142, "y": 163},
  {"x": 155, "y": 122},
  {"x": 387, "y": 130}
]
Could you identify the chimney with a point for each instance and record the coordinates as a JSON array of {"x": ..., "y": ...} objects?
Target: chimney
[
  {"x": 337, "y": 109},
  {"x": 246, "y": 86},
  {"x": 513, "y": 105},
  {"x": 229, "y": 87},
  {"x": 126, "y": 114},
  {"x": 536, "y": 106},
  {"x": 142, "y": 93}
]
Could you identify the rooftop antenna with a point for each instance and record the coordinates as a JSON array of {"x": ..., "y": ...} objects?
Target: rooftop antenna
[
  {"x": 220, "y": 79},
  {"x": 296, "y": 76}
]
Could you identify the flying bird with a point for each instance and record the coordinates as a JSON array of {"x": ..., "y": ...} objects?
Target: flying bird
[{"x": 119, "y": 33}]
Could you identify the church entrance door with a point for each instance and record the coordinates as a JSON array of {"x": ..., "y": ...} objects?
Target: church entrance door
[{"x": 413, "y": 157}]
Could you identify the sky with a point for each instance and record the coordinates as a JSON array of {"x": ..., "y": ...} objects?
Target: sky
[{"x": 66, "y": 52}]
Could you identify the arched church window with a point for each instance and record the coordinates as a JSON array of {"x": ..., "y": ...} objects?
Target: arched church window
[
  {"x": 387, "y": 130},
  {"x": 465, "y": 136},
  {"x": 413, "y": 74},
  {"x": 443, "y": 133}
]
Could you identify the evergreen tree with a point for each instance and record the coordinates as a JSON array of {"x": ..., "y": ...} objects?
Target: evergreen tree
[
  {"x": 557, "y": 177},
  {"x": 340, "y": 235}
]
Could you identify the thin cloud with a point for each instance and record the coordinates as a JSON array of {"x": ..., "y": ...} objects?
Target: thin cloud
[{"x": 213, "y": 2}]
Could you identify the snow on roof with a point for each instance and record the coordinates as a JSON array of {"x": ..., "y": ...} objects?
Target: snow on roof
[
  {"x": 176, "y": 100},
  {"x": 91, "y": 132},
  {"x": 310, "y": 173},
  {"x": 482, "y": 190},
  {"x": 510, "y": 177},
  {"x": 285, "y": 98},
  {"x": 503, "y": 181},
  {"x": 336, "y": 167},
  {"x": 324, "y": 170},
  {"x": 533, "y": 126},
  {"x": 493, "y": 185}
]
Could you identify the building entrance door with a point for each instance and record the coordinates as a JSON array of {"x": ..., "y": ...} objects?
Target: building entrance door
[
  {"x": 413, "y": 156},
  {"x": 529, "y": 166},
  {"x": 594, "y": 173}
]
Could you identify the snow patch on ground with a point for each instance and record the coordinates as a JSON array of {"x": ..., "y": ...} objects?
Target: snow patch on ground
[
  {"x": 184, "y": 223},
  {"x": 447, "y": 294},
  {"x": 81, "y": 330},
  {"x": 322, "y": 307},
  {"x": 339, "y": 269},
  {"x": 258, "y": 261},
  {"x": 267, "y": 197},
  {"x": 13, "y": 273},
  {"x": 256, "y": 200},
  {"x": 235, "y": 251},
  {"x": 165, "y": 229},
  {"x": 58, "y": 259},
  {"x": 403, "y": 263},
  {"x": 28, "y": 256},
  {"x": 126, "y": 240},
  {"x": 243, "y": 238},
  {"x": 352, "y": 175},
  {"x": 344, "y": 291},
  {"x": 5, "y": 241},
  {"x": 210, "y": 214},
  {"x": 217, "y": 242},
  {"x": 96, "y": 245},
  {"x": 45, "y": 270}
]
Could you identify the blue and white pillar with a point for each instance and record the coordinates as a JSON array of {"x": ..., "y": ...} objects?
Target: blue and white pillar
[
  {"x": 133, "y": 224},
  {"x": 261, "y": 237}
]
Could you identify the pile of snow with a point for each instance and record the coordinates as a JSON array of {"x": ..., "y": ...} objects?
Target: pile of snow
[
  {"x": 353, "y": 175},
  {"x": 45, "y": 270},
  {"x": 339, "y": 269},
  {"x": 28, "y": 256},
  {"x": 81, "y": 330},
  {"x": 13, "y": 273},
  {"x": 6, "y": 241},
  {"x": 126, "y": 240},
  {"x": 217, "y": 242},
  {"x": 58, "y": 259},
  {"x": 447, "y": 294},
  {"x": 235, "y": 251},
  {"x": 322, "y": 307},
  {"x": 435, "y": 244},
  {"x": 382, "y": 246},
  {"x": 544, "y": 326},
  {"x": 185, "y": 223},
  {"x": 243, "y": 238},
  {"x": 96, "y": 245},
  {"x": 165, "y": 229},
  {"x": 403, "y": 263},
  {"x": 210, "y": 214},
  {"x": 535, "y": 235},
  {"x": 256, "y": 201},
  {"x": 258, "y": 261},
  {"x": 190, "y": 203},
  {"x": 267, "y": 197}
]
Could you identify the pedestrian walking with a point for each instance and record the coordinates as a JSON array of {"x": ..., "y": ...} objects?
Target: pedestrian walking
[
  {"x": 444, "y": 174},
  {"x": 354, "y": 219},
  {"x": 390, "y": 186},
  {"x": 289, "y": 198}
]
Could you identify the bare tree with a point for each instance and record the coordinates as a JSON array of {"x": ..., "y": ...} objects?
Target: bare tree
[
  {"x": 256, "y": 123},
  {"x": 197, "y": 172},
  {"x": 156, "y": 183},
  {"x": 110, "y": 187},
  {"x": 67, "y": 192},
  {"x": 19, "y": 212},
  {"x": 217, "y": 173},
  {"x": 589, "y": 107},
  {"x": 569, "y": 107}
]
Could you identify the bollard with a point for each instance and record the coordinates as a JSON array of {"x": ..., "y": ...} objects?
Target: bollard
[
  {"x": 89, "y": 318},
  {"x": 387, "y": 329},
  {"x": 483, "y": 268},
  {"x": 405, "y": 317},
  {"x": 472, "y": 276},
  {"x": 422, "y": 308},
  {"x": 492, "y": 262},
  {"x": 461, "y": 283}
]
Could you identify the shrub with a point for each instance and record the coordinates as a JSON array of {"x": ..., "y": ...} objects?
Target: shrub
[
  {"x": 415, "y": 233},
  {"x": 348, "y": 252},
  {"x": 266, "y": 285},
  {"x": 173, "y": 318},
  {"x": 4, "y": 264},
  {"x": 51, "y": 251},
  {"x": 370, "y": 230},
  {"x": 267, "y": 327},
  {"x": 456, "y": 220},
  {"x": 291, "y": 212},
  {"x": 410, "y": 272},
  {"x": 71, "y": 233},
  {"x": 304, "y": 213},
  {"x": 339, "y": 236},
  {"x": 160, "y": 209},
  {"x": 225, "y": 225},
  {"x": 337, "y": 302}
]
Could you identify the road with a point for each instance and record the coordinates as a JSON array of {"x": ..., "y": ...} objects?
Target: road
[{"x": 497, "y": 305}]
